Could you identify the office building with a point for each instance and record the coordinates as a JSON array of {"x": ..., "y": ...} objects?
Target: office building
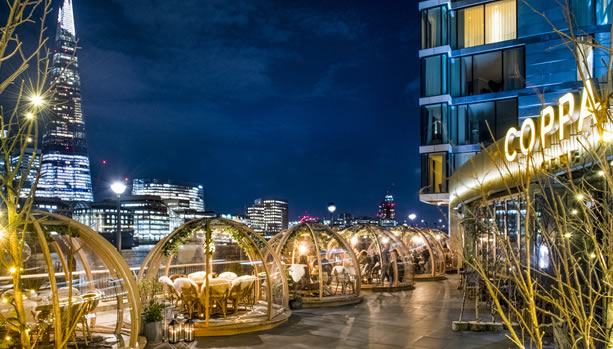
[
  {"x": 268, "y": 216},
  {"x": 178, "y": 195},
  {"x": 65, "y": 170},
  {"x": 146, "y": 215}
]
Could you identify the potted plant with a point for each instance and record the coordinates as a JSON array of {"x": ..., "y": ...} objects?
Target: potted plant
[
  {"x": 151, "y": 324},
  {"x": 152, "y": 317}
]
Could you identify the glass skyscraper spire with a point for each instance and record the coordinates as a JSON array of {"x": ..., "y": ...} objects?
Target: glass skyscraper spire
[{"x": 65, "y": 170}]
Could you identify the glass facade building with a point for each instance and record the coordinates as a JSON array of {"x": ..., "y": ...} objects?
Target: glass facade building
[
  {"x": 268, "y": 216},
  {"x": 488, "y": 65},
  {"x": 178, "y": 195},
  {"x": 65, "y": 169},
  {"x": 146, "y": 215}
]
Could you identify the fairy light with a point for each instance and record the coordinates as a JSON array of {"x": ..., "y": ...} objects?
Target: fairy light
[
  {"x": 580, "y": 197},
  {"x": 12, "y": 270},
  {"x": 574, "y": 211},
  {"x": 568, "y": 235},
  {"x": 29, "y": 116}
]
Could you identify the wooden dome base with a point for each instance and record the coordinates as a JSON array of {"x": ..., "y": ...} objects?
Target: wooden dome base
[
  {"x": 440, "y": 277},
  {"x": 232, "y": 328},
  {"x": 378, "y": 288},
  {"x": 332, "y": 301}
]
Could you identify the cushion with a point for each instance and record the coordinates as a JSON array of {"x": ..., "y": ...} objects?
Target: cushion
[
  {"x": 182, "y": 283},
  {"x": 217, "y": 285},
  {"x": 296, "y": 271},
  {"x": 244, "y": 281},
  {"x": 165, "y": 280},
  {"x": 63, "y": 292},
  {"x": 228, "y": 275},
  {"x": 197, "y": 276}
]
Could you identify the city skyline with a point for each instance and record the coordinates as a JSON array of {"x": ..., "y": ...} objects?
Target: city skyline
[{"x": 227, "y": 148}]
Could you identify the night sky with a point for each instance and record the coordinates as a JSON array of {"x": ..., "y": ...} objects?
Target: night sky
[{"x": 312, "y": 101}]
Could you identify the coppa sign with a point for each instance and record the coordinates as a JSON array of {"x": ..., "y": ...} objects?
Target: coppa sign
[{"x": 533, "y": 136}]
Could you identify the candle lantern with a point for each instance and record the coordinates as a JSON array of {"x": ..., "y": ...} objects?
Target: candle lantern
[
  {"x": 174, "y": 331},
  {"x": 188, "y": 330}
]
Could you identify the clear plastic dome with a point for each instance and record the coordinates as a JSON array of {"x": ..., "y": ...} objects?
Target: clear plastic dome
[
  {"x": 236, "y": 287},
  {"x": 74, "y": 284},
  {"x": 424, "y": 250},
  {"x": 383, "y": 259},
  {"x": 451, "y": 258},
  {"x": 320, "y": 265}
]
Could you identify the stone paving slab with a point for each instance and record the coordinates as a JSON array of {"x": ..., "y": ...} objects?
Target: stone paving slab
[{"x": 418, "y": 319}]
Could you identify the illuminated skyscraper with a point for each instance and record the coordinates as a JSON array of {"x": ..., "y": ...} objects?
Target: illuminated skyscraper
[
  {"x": 268, "y": 216},
  {"x": 65, "y": 172},
  {"x": 387, "y": 212}
]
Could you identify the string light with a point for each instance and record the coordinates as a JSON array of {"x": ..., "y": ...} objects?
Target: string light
[
  {"x": 29, "y": 115},
  {"x": 580, "y": 197}
]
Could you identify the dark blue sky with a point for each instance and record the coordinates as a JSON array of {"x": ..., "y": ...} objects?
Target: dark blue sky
[{"x": 313, "y": 101}]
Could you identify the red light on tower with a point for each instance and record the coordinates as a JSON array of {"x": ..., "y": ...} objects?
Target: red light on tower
[
  {"x": 125, "y": 179},
  {"x": 104, "y": 162}
]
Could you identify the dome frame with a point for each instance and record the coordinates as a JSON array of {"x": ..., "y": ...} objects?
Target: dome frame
[
  {"x": 377, "y": 234},
  {"x": 281, "y": 240},
  {"x": 49, "y": 231},
  {"x": 255, "y": 250},
  {"x": 429, "y": 240}
]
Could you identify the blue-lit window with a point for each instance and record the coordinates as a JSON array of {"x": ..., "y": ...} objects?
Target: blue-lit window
[
  {"x": 603, "y": 12},
  {"x": 434, "y": 124},
  {"x": 476, "y": 123},
  {"x": 434, "y": 75},
  {"x": 434, "y": 27},
  {"x": 488, "y": 72},
  {"x": 582, "y": 12}
]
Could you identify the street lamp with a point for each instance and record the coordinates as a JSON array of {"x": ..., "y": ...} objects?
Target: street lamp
[
  {"x": 36, "y": 100},
  {"x": 331, "y": 209},
  {"x": 118, "y": 188},
  {"x": 412, "y": 216}
]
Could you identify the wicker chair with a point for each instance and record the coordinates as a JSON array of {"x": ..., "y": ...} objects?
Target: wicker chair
[
  {"x": 219, "y": 290},
  {"x": 170, "y": 292},
  {"x": 242, "y": 286},
  {"x": 188, "y": 291},
  {"x": 91, "y": 299}
]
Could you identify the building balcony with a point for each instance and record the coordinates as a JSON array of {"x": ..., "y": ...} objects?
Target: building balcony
[{"x": 434, "y": 198}]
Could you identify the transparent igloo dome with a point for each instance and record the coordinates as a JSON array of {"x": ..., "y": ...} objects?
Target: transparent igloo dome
[
  {"x": 75, "y": 286},
  {"x": 425, "y": 251},
  {"x": 451, "y": 258},
  {"x": 222, "y": 275},
  {"x": 320, "y": 266},
  {"x": 383, "y": 259}
]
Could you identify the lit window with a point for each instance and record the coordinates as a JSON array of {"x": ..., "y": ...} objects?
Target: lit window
[{"x": 500, "y": 21}]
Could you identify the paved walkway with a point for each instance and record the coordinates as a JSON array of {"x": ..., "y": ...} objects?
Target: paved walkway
[{"x": 413, "y": 319}]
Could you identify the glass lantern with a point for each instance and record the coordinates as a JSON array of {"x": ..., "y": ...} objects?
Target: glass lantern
[
  {"x": 174, "y": 331},
  {"x": 188, "y": 330}
]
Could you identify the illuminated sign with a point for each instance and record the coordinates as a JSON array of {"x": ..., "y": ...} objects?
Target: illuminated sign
[{"x": 536, "y": 135}]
